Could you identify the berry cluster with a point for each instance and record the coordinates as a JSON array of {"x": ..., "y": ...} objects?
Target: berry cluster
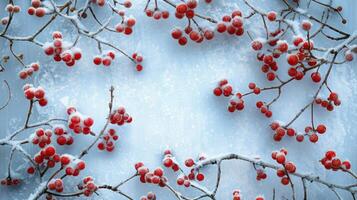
[
  {"x": 190, "y": 163},
  {"x": 10, "y": 181},
  {"x": 28, "y": 71},
  {"x": 108, "y": 140},
  {"x": 157, "y": 177},
  {"x": 280, "y": 132},
  {"x": 56, "y": 185},
  {"x": 261, "y": 175},
  {"x": 41, "y": 137},
  {"x": 62, "y": 50},
  {"x": 78, "y": 122},
  {"x": 169, "y": 161},
  {"x": 236, "y": 103},
  {"x": 157, "y": 14},
  {"x": 138, "y": 58},
  {"x": 232, "y": 24},
  {"x": 312, "y": 133},
  {"x": 126, "y": 25},
  {"x": 264, "y": 109},
  {"x": 62, "y": 136},
  {"x": 330, "y": 102},
  {"x": 47, "y": 154},
  {"x": 72, "y": 165},
  {"x": 105, "y": 59},
  {"x": 10, "y": 8},
  {"x": 223, "y": 88},
  {"x": 182, "y": 179},
  {"x": 88, "y": 186},
  {"x": 295, "y": 60},
  {"x": 37, "y": 94},
  {"x": 195, "y": 35},
  {"x": 330, "y": 161},
  {"x": 36, "y": 8},
  {"x": 186, "y": 9},
  {"x": 288, "y": 167},
  {"x": 120, "y": 117},
  {"x": 149, "y": 196},
  {"x": 254, "y": 88}
]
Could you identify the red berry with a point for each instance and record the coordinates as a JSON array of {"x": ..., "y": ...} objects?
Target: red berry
[
  {"x": 285, "y": 180},
  {"x": 280, "y": 158},
  {"x": 181, "y": 8},
  {"x": 217, "y": 91},
  {"x": 321, "y": 128},
  {"x": 189, "y": 162},
  {"x": 293, "y": 59},
  {"x": 200, "y": 177},
  {"x": 271, "y": 16},
  {"x": 315, "y": 76}
]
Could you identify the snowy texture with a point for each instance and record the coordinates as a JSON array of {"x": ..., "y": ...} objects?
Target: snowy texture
[{"x": 173, "y": 107}]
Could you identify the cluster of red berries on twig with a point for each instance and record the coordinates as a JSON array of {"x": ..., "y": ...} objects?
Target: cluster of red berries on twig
[
  {"x": 169, "y": 161},
  {"x": 126, "y": 25},
  {"x": 281, "y": 131},
  {"x": 28, "y": 71},
  {"x": 41, "y": 137},
  {"x": 37, "y": 9},
  {"x": 72, "y": 165},
  {"x": 56, "y": 185},
  {"x": 10, "y": 181},
  {"x": 47, "y": 154},
  {"x": 79, "y": 123},
  {"x": 264, "y": 109},
  {"x": 236, "y": 102},
  {"x": 330, "y": 102},
  {"x": 63, "y": 137},
  {"x": 149, "y": 196},
  {"x": 35, "y": 94},
  {"x": 11, "y": 9},
  {"x": 270, "y": 66},
  {"x": 232, "y": 24},
  {"x": 261, "y": 175},
  {"x": 186, "y": 9},
  {"x": 287, "y": 166},
  {"x": 183, "y": 179},
  {"x": 156, "y": 177},
  {"x": 196, "y": 36},
  {"x": 330, "y": 161},
  {"x": 157, "y": 14},
  {"x": 223, "y": 88},
  {"x": 108, "y": 140},
  {"x": 62, "y": 50},
  {"x": 105, "y": 59},
  {"x": 120, "y": 117},
  {"x": 138, "y": 58},
  {"x": 88, "y": 186}
]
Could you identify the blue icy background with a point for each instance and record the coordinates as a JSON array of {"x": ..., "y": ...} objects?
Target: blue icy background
[{"x": 173, "y": 107}]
